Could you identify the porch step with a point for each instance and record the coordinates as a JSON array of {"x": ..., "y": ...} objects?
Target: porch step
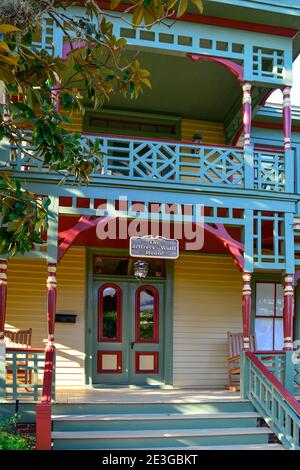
[
  {"x": 204, "y": 425},
  {"x": 153, "y": 438},
  {"x": 153, "y": 421},
  {"x": 229, "y": 447}
]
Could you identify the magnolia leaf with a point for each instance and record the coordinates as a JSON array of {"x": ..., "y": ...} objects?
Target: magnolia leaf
[
  {"x": 138, "y": 16},
  {"x": 182, "y": 7},
  {"x": 8, "y": 28},
  {"x": 199, "y": 5},
  {"x": 4, "y": 47}
]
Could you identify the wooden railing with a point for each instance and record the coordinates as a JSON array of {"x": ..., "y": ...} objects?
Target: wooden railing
[
  {"x": 177, "y": 162},
  {"x": 43, "y": 410},
  {"x": 277, "y": 406},
  {"x": 24, "y": 369}
]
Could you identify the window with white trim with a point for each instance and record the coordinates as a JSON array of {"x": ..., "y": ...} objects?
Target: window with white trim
[{"x": 269, "y": 316}]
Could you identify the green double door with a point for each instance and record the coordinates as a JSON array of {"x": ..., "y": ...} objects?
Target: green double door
[{"x": 128, "y": 333}]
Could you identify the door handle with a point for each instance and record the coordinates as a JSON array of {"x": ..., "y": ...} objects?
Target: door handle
[{"x": 132, "y": 344}]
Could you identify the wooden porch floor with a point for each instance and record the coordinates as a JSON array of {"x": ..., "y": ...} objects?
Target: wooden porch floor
[{"x": 132, "y": 395}]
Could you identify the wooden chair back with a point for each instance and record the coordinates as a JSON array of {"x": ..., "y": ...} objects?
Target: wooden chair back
[
  {"x": 235, "y": 343},
  {"x": 18, "y": 339}
]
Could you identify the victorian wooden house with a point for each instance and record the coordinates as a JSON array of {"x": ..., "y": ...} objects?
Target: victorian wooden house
[{"x": 120, "y": 362}]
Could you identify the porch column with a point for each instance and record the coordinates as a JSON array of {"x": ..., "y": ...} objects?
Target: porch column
[
  {"x": 246, "y": 309},
  {"x": 43, "y": 410},
  {"x": 288, "y": 308},
  {"x": 247, "y": 113},
  {"x": 3, "y": 296},
  {"x": 51, "y": 302},
  {"x": 287, "y": 117}
]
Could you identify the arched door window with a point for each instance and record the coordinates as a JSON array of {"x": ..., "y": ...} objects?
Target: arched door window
[
  {"x": 110, "y": 313},
  {"x": 147, "y": 315}
]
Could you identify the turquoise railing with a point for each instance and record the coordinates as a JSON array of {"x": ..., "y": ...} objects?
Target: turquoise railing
[
  {"x": 24, "y": 372},
  {"x": 296, "y": 378},
  {"x": 176, "y": 162},
  {"x": 272, "y": 400}
]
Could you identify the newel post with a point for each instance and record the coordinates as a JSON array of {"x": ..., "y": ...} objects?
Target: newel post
[
  {"x": 288, "y": 310},
  {"x": 43, "y": 410},
  {"x": 3, "y": 296},
  {"x": 246, "y": 310}
]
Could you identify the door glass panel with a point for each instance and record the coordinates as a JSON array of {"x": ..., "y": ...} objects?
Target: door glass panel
[
  {"x": 147, "y": 315},
  {"x": 110, "y": 313}
]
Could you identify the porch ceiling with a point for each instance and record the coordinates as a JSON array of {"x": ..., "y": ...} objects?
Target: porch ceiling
[{"x": 180, "y": 87}]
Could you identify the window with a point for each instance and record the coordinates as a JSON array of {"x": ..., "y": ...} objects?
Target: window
[
  {"x": 147, "y": 315},
  {"x": 124, "y": 266},
  {"x": 109, "y": 311},
  {"x": 269, "y": 316}
]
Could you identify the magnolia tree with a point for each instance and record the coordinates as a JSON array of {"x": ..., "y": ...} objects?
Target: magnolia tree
[{"x": 40, "y": 91}]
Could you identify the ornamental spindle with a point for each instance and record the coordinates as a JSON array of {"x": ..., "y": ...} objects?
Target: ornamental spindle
[
  {"x": 288, "y": 308},
  {"x": 246, "y": 309},
  {"x": 3, "y": 296},
  {"x": 247, "y": 113},
  {"x": 287, "y": 117}
]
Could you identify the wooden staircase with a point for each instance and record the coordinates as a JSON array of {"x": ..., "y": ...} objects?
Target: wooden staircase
[{"x": 160, "y": 426}]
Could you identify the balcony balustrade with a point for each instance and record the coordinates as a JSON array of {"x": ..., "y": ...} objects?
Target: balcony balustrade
[{"x": 175, "y": 163}]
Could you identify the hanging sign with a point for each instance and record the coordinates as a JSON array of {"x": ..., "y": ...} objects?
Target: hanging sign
[{"x": 153, "y": 247}]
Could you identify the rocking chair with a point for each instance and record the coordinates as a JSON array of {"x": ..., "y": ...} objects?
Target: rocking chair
[{"x": 235, "y": 347}]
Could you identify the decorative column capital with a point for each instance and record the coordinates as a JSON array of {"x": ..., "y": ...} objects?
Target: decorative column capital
[
  {"x": 3, "y": 272},
  {"x": 51, "y": 280}
]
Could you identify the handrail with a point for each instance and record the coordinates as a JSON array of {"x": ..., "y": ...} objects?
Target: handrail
[
  {"x": 33, "y": 350},
  {"x": 270, "y": 352},
  {"x": 157, "y": 139},
  {"x": 258, "y": 148},
  {"x": 290, "y": 399}
]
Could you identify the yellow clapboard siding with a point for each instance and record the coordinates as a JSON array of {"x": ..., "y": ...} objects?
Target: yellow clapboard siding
[
  {"x": 207, "y": 304},
  {"x": 212, "y": 132},
  {"x": 26, "y": 307}
]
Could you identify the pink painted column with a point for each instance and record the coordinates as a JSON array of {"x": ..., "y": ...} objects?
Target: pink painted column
[
  {"x": 287, "y": 117},
  {"x": 3, "y": 296},
  {"x": 247, "y": 112},
  {"x": 51, "y": 302},
  {"x": 246, "y": 310},
  {"x": 288, "y": 310}
]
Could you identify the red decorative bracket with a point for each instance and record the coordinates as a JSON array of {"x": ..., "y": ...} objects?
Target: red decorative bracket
[
  {"x": 68, "y": 237},
  {"x": 236, "y": 69},
  {"x": 234, "y": 247}
]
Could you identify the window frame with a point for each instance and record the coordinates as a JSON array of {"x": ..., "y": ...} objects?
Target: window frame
[{"x": 273, "y": 317}]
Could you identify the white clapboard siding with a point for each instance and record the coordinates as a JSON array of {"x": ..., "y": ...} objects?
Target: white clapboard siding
[
  {"x": 207, "y": 304},
  {"x": 26, "y": 308}
]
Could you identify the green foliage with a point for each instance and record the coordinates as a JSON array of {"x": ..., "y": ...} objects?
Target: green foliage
[
  {"x": 10, "y": 439},
  {"x": 39, "y": 88},
  {"x": 24, "y": 217}
]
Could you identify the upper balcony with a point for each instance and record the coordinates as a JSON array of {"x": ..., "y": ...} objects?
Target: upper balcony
[{"x": 172, "y": 165}]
